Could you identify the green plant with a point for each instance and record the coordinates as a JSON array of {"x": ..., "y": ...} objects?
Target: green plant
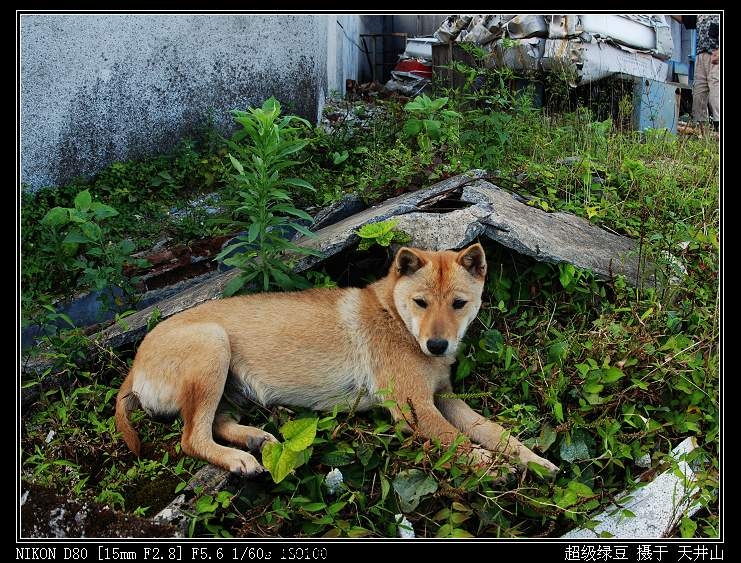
[
  {"x": 80, "y": 239},
  {"x": 206, "y": 507},
  {"x": 429, "y": 121},
  {"x": 266, "y": 201},
  {"x": 382, "y": 233},
  {"x": 280, "y": 459}
]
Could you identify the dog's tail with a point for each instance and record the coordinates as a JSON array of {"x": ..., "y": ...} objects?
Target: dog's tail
[{"x": 125, "y": 403}]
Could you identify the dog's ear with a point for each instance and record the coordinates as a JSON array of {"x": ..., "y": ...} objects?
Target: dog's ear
[
  {"x": 407, "y": 261},
  {"x": 473, "y": 259}
]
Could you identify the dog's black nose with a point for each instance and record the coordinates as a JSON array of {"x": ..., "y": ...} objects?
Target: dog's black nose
[{"x": 437, "y": 346}]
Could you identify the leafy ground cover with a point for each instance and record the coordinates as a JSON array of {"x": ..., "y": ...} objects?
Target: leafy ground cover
[{"x": 596, "y": 374}]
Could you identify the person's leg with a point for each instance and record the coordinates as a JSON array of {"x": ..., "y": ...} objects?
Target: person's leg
[
  {"x": 700, "y": 88},
  {"x": 714, "y": 87}
]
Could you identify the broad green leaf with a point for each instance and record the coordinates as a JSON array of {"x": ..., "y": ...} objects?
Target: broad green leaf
[
  {"x": 546, "y": 438},
  {"x": 206, "y": 504},
  {"x": 611, "y": 374},
  {"x": 385, "y": 488},
  {"x": 385, "y": 239},
  {"x": 378, "y": 229},
  {"x": 75, "y": 236},
  {"x": 594, "y": 398},
  {"x": 83, "y": 200},
  {"x": 566, "y": 274},
  {"x": 77, "y": 216},
  {"x": 566, "y": 498},
  {"x": 438, "y": 103},
  {"x": 336, "y": 507},
  {"x": 271, "y": 453},
  {"x": 412, "y": 127},
  {"x": 253, "y": 232},
  {"x": 233, "y": 287},
  {"x": 465, "y": 366},
  {"x": 279, "y": 461},
  {"x": 580, "y": 489},
  {"x": 592, "y": 387},
  {"x": 289, "y": 460},
  {"x": 55, "y": 217},
  {"x": 492, "y": 341},
  {"x": 687, "y": 527},
  {"x": 557, "y": 352},
  {"x": 102, "y": 211},
  {"x": 433, "y": 127},
  {"x": 299, "y": 434},
  {"x": 412, "y": 485},
  {"x": 91, "y": 231}
]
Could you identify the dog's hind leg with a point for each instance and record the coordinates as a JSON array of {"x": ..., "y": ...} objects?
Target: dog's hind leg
[
  {"x": 203, "y": 384},
  {"x": 227, "y": 428}
]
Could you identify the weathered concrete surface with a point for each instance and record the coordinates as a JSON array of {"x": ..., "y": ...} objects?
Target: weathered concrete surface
[
  {"x": 339, "y": 210},
  {"x": 553, "y": 237},
  {"x": 100, "y": 88},
  {"x": 657, "y": 507}
]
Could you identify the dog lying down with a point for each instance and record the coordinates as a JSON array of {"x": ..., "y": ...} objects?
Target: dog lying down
[{"x": 319, "y": 349}]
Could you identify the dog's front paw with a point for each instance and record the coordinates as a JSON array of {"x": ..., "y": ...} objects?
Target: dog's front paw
[
  {"x": 495, "y": 465},
  {"x": 258, "y": 439},
  {"x": 243, "y": 464}
]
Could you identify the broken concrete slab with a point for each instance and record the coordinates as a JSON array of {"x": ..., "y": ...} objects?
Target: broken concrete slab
[
  {"x": 350, "y": 204},
  {"x": 657, "y": 506},
  {"x": 553, "y": 237}
]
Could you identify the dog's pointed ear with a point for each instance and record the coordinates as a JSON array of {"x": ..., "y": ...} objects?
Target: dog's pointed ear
[
  {"x": 407, "y": 261},
  {"x": 473, "y": 259}
]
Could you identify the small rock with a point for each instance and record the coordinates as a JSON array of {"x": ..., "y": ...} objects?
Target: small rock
[
  {"x": 50, "y": 436},
  {"x": 644, "y": 461},
  {"x": 405, "y": 529},
  {"x": 333, "y": 480}
]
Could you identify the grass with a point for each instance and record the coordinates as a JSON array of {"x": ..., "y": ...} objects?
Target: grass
[{"x": 593, "y": 373}]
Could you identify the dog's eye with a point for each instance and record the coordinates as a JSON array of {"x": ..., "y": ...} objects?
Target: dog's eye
[
  {"x": 421, "y": 302},
  {"x": 459, "y": 303}
]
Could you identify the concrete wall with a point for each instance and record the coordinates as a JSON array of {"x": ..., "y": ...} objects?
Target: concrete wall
[
  {"x": 343, "y": 51},
  {"x": 101, "y": 88}
]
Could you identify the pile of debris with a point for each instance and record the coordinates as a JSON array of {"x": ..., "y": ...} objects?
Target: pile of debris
[
  {"x": 585, "y": 47},
  {"x": 413, "y": 73}
]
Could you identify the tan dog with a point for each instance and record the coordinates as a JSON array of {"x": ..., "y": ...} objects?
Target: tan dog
[{"x": 318, "y": 349}]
